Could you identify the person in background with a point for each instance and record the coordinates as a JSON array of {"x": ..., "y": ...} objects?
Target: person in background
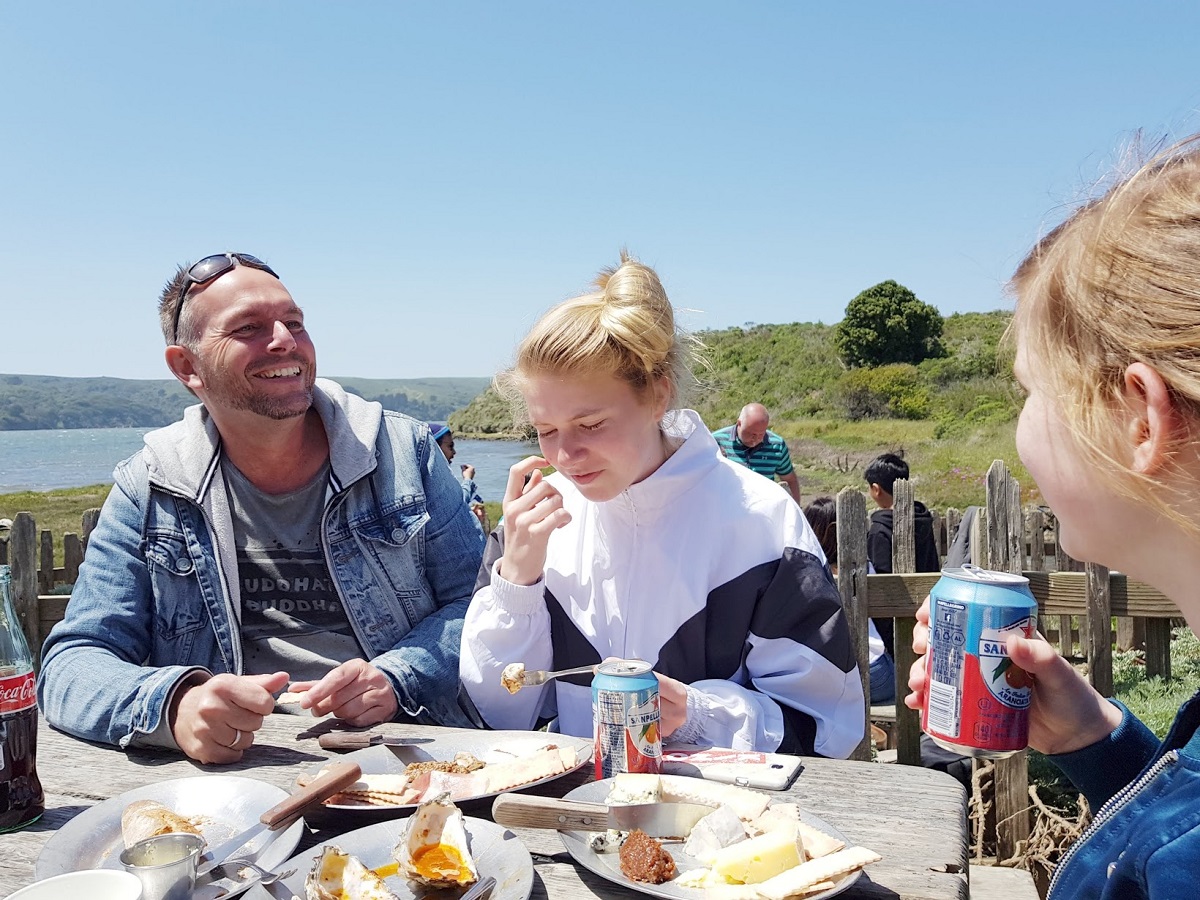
[
  {"x": 822, "y": 516},
  {"x": 445, "y": 440},
  {"x": 284, "y": 530},
  {"x": 1108, "y": 355},
  {"x": 882, "y": 473},
  {"x": 646, "y": 543},
  {"x": 750, "y": 443}
]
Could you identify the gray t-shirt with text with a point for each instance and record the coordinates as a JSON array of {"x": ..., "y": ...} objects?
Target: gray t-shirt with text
[{"x": 292, "y": 617}]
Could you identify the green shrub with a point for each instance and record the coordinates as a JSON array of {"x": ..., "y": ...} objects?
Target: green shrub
[{"x": 894, "y": 392}]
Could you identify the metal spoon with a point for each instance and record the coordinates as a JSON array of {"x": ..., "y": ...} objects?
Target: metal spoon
[{"x": 532, "y": 679}]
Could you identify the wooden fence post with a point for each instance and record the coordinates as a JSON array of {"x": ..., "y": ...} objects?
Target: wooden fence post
[
  {"x": 1158, "y": 648},
  {"x": 46, "y": 569},
  {"x": 1098, "y": 642},
  {"x": 72, "y": 556},
  {"x": 904, "y": 559},
  {"x": 953, "y": 520},
  {"x": 940, "y": 539},
  {"x": 1035, "y": 523},
  {"x": 1065, "y": 563},
  {"x": 23, "y": 547},
  {"x": 852, "y": 585},
  {"x": 90, "y": 517},
  {"x": 1005, "y": 532}
]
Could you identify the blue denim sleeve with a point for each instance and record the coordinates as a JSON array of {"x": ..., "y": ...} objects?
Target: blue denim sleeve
[
  {"x": 1103, "y": 768},
  {"x": 93, "y": 681},
  {"x": 423, "y": 666}
]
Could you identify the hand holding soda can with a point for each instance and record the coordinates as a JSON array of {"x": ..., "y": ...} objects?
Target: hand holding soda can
[{"x": 976, "y": 700}]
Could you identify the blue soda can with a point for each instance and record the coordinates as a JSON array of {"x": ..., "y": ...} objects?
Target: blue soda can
[
  {"x": 976, "y": 700},
  {"x": 625, "y": 713}
]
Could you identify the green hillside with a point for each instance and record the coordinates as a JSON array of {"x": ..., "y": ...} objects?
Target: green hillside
[
  {"x": 796, "y": 372},
  {"x": 45, "y": 401}
]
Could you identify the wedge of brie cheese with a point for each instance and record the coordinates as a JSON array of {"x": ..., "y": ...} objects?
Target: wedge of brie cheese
[{"x": 719, "y": 829}]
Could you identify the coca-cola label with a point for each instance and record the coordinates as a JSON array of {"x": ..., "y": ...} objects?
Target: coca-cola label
[{"x": 17, "y": 693}]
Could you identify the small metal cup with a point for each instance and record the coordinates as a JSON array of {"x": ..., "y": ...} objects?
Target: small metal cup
[{"x": 165, "y": 864}]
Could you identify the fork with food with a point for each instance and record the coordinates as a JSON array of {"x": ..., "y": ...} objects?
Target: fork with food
[{"x": 514, "y": 677}]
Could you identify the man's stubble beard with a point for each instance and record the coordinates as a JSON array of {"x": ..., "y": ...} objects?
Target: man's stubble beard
[{"x": 243, "y": 398}]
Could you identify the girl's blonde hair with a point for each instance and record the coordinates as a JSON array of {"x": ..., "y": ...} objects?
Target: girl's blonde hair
[
  {"x": 626, "y": 328},
  {"x": 1117, "y": 283}
]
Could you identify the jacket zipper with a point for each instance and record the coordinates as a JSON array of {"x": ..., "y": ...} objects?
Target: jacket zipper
[
  {"x": 632, "y": 568},
  {"x": 1114, "y": 805}
]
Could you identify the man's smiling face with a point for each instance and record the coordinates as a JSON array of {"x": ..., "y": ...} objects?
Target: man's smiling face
[{"x": 253, "y": 354}]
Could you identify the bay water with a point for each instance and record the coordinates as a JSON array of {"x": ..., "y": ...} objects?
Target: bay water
[{"x": 76, "y": 457}]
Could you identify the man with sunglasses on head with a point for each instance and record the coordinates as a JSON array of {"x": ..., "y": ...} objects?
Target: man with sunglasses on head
[{"x": 285, "y": 533}]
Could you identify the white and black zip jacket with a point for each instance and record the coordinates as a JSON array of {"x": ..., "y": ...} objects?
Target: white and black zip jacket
[{"x": 705, "y": 569}]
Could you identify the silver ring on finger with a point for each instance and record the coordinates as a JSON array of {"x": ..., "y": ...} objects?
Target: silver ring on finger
[{"x": 237, "y": 736}]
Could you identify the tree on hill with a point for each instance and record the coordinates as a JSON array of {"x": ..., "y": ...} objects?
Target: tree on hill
[{"x": 887, "y": 324}]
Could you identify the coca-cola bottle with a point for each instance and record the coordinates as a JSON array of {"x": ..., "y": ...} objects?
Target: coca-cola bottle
[{"x": 21, "y": 797}]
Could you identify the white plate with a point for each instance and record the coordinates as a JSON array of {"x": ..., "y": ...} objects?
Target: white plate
[
  {"x": 497, "y": 852},
  {"x": 489, "y": 746},
  {"x": 227, "y": 804},
  {"x": 608, "y": 865}
]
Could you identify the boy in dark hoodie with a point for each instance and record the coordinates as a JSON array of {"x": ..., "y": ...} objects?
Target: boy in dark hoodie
[{"x": 881, "y": 475}]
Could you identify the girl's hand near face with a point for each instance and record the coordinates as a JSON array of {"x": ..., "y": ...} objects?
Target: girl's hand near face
[
  {"x": 533, "y": 509},
  {"x": 1065, "y": 714}
]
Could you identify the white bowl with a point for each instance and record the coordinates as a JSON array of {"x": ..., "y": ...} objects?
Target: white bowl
[{"x": 92, "y": 884}]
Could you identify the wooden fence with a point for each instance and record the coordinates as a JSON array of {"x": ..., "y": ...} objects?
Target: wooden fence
[
  {"x": 1004, "y": 538},
  {"x": 34, "y": 575},
  {"x": 1007, "y": 539}
]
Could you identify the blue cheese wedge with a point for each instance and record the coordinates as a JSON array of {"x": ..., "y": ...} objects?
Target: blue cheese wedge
[{"x": 634, "y": 787}]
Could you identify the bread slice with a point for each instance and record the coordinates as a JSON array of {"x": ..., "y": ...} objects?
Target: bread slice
[{"x": 147, "y": 818}]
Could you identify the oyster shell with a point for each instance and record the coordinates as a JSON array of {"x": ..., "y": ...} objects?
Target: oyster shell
[
  {"x": 433, "y": 848},
  {"x": 337, "y": 875}
]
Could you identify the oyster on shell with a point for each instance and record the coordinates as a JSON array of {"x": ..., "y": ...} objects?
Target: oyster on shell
[
  {"x": 337, "y": 875},
  {"x": 433, "y": 848}
]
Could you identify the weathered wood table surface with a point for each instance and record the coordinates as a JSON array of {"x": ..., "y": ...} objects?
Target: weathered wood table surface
[{"x": 915, "y": 818}]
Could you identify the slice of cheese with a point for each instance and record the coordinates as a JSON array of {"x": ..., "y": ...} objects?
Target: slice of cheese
[
  {"x": 634, "y": 787},
  {"x": 719, "y": 829},
  {"x": 757, "y": 859}
]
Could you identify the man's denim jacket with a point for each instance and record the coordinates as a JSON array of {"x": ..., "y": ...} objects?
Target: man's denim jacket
[{"x": 157, "y": 599}]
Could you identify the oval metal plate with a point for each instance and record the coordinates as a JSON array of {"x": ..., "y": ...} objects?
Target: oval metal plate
[
  {"x": 608, "y": 865},
  {"x": 226, "y": 804},
  {"x": 488, "y": 746}
]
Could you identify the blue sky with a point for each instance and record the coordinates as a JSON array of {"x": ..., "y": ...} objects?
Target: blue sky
[{"x": 428, "y": 178}]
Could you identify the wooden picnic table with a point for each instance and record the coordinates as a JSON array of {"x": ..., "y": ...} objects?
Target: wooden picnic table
[{"x": 915, "y": 818}]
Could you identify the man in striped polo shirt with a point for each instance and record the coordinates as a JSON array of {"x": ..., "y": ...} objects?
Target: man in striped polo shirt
[{"x": 750, "y": 443}]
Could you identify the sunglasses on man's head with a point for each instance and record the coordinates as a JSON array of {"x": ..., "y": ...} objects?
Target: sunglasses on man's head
[{"x": 209, "y": 269}]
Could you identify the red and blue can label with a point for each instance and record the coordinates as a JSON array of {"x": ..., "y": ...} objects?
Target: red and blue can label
[
  {"x": 626, "y": 716},
  {"x": 977, "y": 700}
]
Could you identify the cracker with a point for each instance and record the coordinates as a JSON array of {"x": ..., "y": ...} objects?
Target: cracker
[
  {"x": 800, "y": 880},
  {"x": 817, "y": 843}
]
